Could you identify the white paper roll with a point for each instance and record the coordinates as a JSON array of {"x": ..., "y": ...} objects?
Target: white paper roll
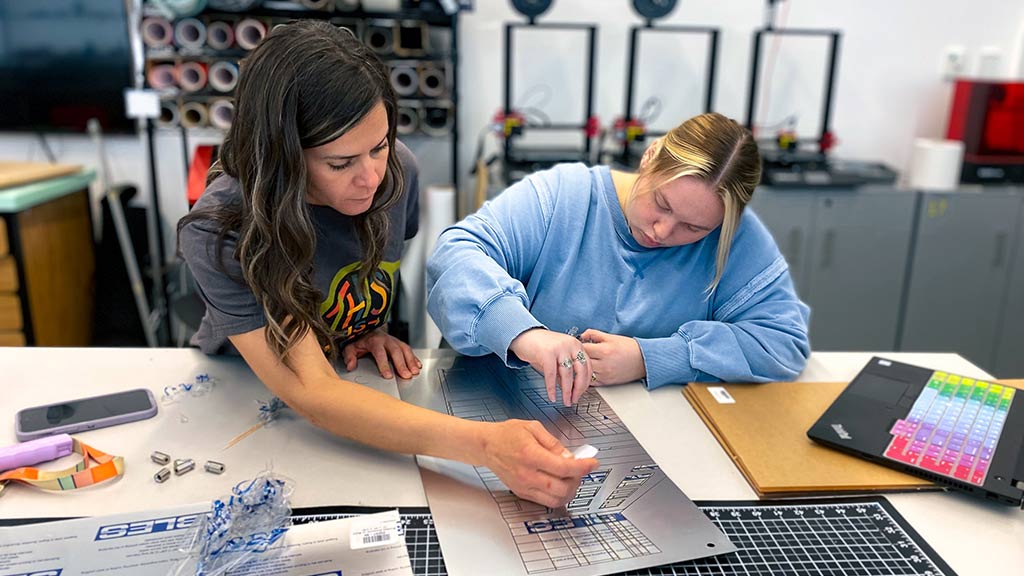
[
  {"x": 440, "y": 215},
  {"x": 433, "y": 82},
  {"x": 317, "y": 4},
  {"x": 404, "y": 80},
  {"x": 220, "y": 35},
  {"x": 436, "y": 119},
  {"x": 408, "y": 118},
  {"x": 935, "y": 164},
  {"x": 249, "y": 33},
  {"x": 223, "y": 75},
  {"x": 168, "y": 115},
  {"x": 380, "y": 39},
  {"x": 193, "y": 115},
  {"x": 192, "y": 76},
  {"x": 157, "y": 32},
  {"x": 221, "y": 113},
  {"x": 382, "y": 5},
  {"x": 162, "y": 77},
  {"x": 190, "y": 33}
]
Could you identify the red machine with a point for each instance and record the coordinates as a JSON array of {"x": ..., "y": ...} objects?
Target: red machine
[{"x": 989, "y": 118}]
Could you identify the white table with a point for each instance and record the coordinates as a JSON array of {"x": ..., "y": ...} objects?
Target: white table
[{"x": 973, "y": 536}]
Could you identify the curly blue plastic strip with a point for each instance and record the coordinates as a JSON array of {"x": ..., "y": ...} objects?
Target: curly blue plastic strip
[
  {"x": 269, "y": 410},
  {"x": 248, "y": 521}
]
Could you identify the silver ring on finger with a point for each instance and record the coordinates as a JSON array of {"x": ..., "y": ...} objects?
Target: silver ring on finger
[
  {"x": 581, "y": 357},
  {"x": 567, "y": 363},
  {"x": 593, "y": 376}
]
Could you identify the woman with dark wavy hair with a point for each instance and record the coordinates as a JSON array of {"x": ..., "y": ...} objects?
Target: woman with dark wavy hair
[{"x": 295, "y": 245}]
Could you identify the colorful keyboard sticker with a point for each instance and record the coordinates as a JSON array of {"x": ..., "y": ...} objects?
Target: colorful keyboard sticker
[{"x": 953, "y": 427}]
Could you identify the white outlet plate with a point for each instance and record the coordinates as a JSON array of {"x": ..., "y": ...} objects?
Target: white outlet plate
[
  {"x": 954, "y": 62},
  {"x": 990, "y": 63}
]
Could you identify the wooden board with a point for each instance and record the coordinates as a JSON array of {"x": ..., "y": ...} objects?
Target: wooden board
[
  {"x": 10, "y": 312},
  {"x": 12, "y": 339},
  {"x": 8, "y": 274},
  {"x": 59, "y": 265},
  {"x": 765, "y": 433},
  {"x": 18, "y": 173}
]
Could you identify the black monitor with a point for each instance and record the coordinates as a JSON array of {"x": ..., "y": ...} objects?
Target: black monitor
[{"x": 63, "y": 62}]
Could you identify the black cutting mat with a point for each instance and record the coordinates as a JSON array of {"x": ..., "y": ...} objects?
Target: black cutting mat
[{"x": 819, "y": 537}]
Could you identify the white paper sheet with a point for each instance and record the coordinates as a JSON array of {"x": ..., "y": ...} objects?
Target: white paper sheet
[{"x": 148, "y": 543}]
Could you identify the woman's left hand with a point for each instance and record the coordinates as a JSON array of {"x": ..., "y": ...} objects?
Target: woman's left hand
[
  {"x": 383, "y": 346},
  {"x": 615, "y": 359}
]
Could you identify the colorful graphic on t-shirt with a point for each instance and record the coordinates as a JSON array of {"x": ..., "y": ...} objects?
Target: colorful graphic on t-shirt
[{"x": 351, "y": 311}]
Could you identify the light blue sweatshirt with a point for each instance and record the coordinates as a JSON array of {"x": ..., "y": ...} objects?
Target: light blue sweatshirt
[{"x": 554, "y": 250}]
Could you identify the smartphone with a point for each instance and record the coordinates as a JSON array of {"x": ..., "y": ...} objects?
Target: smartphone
[{"x": 84, "y": 414}]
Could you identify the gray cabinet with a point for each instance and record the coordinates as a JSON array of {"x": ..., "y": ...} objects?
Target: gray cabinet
[
  {"x": 959, "y": 273},
  {"x": 847, "y": 251},
  {"x": 1009, "y": 361},
  {"x": 788, "y": 215},
  {"x": 857, "y": 268}
]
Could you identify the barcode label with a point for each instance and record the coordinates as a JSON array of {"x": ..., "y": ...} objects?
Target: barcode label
[{"x": 374, "y": 530}]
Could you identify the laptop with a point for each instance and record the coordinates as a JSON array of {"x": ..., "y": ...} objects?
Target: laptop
[{"x": 954, "y": 430}]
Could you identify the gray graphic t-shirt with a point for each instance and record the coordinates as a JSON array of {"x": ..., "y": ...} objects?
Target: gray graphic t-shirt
[{"x": 348, "y": 309}]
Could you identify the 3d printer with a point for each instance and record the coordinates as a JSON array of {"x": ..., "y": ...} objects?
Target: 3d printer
[
  {"x": 793, "y": 161},
  {"x": 989, "y": 118}
]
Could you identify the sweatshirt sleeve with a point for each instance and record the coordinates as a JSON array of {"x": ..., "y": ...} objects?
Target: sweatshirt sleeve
[
  {"x": 474, "y": 288},
  {"x": 759, "y": 334}
]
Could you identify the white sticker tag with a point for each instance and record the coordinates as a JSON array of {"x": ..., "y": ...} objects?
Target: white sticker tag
[
  {"x": 584, "y": 451},
  {"x": 721, "y": 394},
  {"x": 375, "y": 530},
  {"x": 141, "y": 103}
]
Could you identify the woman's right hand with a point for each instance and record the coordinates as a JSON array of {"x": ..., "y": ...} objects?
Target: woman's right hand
[
  {"x": 533, "y": 463},
  {"x": 560, "y": 358}
]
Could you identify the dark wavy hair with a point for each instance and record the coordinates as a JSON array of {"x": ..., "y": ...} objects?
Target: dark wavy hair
[{"x": 306, "y": 84}]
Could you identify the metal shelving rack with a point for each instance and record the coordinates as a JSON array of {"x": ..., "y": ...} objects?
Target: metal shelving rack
[{"x": 436, "y": 112}]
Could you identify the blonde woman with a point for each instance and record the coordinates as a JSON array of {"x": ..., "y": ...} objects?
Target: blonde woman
[{"x": 665, "y": 275}]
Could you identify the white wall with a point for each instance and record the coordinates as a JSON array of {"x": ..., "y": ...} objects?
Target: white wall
[{"x": 889, "y": 87}]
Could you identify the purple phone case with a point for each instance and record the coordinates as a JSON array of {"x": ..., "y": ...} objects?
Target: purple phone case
[{"x": 89, "y": 425}]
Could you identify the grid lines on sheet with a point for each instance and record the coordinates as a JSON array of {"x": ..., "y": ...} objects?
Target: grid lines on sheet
[
  {"x": 586, "y": 415},
  {"x": 820, "y": 537}
]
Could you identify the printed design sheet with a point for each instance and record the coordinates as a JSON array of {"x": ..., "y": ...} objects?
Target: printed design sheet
[{"x": 626, "y": 514}]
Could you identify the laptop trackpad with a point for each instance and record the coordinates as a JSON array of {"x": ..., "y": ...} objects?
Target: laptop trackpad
[{"x": 886, "y": 391}]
